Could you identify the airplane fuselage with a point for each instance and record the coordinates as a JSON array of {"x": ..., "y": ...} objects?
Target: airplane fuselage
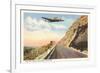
[{"x": 52, "y": 20}]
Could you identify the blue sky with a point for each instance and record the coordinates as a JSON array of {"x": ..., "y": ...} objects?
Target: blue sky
[
  {"x": 68, "y": 20},
  {"x": 38, "y": 32}
]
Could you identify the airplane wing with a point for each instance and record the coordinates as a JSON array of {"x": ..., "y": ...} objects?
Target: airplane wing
[{"x": 46, "y": 18}]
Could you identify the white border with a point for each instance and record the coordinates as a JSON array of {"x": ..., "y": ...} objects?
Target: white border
[{"x": 15, "y": 34}]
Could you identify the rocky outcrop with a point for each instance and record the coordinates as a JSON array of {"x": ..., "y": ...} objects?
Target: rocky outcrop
[{"x": 77, "y": 36}]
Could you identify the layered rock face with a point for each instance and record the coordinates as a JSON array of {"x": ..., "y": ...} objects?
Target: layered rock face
[{"x": 77, "y": 35}]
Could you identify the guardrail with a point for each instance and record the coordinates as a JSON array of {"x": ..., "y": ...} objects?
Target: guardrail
[
  {"x": 50, "y": 54},
  {"x": 45, "y": 54}
]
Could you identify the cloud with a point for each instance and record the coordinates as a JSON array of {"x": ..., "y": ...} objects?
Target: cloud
[
  {"x": 34, "y": 24},
  {"x": 41, "y": 32},
  {"x": 38, "y": 32},
  {"x": 58, "y": 26}
]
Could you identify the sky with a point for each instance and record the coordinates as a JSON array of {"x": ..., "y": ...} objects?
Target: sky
[{"x": 38, "y": 32}]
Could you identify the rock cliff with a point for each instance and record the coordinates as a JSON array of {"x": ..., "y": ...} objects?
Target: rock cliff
[{"x": 77, "y": 35}]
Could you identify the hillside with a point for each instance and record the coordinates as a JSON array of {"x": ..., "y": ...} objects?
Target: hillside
[
  {"x": 76, "y": 36},
  {"x": 31, "y": 53}
]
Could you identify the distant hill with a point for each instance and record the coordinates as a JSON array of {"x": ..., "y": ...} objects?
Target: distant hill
[{"x": 77, "y": 36}]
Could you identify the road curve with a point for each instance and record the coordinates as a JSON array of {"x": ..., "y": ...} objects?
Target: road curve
[{"x": 61, "y": 52}]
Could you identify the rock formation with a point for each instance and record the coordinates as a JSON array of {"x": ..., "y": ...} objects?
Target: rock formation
[{"x": 77, "y": 35}]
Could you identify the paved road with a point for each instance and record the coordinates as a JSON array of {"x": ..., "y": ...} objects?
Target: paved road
[{"x": 61, "y": 52}]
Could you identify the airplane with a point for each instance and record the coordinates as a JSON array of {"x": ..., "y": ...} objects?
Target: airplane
[{"x": 55, "y": 19}]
